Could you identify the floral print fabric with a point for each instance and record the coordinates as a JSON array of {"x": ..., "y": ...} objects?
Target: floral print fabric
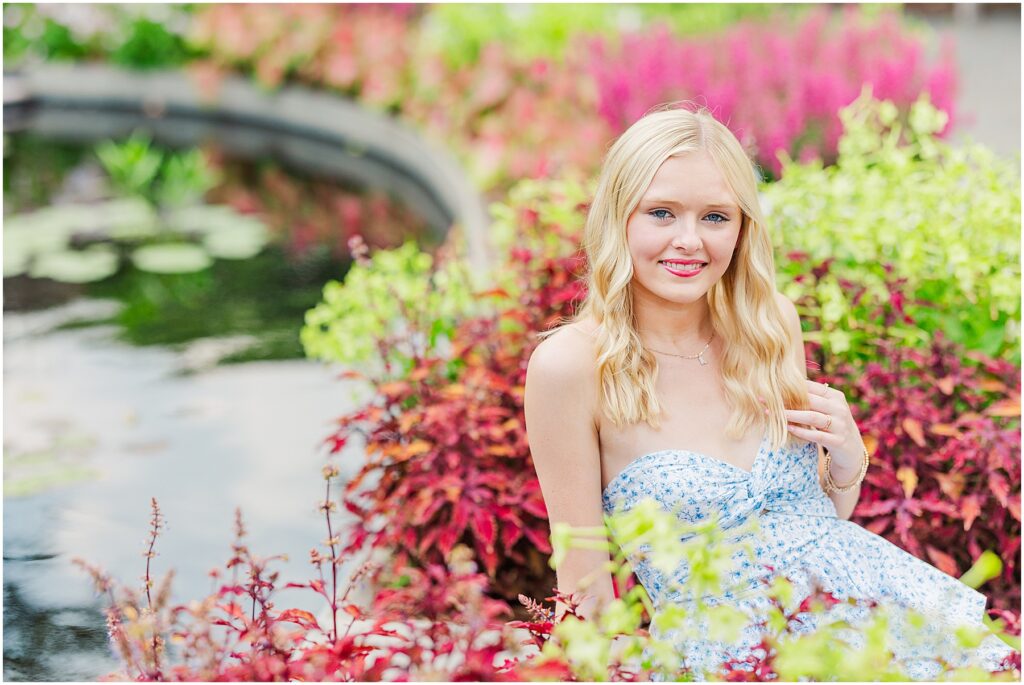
[{"x": 802, "y": 538}]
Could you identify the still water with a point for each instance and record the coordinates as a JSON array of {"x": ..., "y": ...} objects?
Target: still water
[
  {"x": 187, "y": 387},
  {"x": 95, "y": 427}
]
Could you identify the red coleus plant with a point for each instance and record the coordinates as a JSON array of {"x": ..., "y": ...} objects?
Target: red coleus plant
[
  {"x": 945, "y": 481},
  {"x": 448, "y": 461},
  {"x": 943, "y": 426}
]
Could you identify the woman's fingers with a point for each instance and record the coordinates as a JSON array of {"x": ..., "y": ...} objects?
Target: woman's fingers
[
  {"x": 829, "y": 440},
  {"x": 816, "y": 388},
  {"x": 811, "y": 418}
]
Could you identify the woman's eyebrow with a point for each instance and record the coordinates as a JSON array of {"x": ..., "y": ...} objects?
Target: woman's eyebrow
[{"x": 716, "y": 205}]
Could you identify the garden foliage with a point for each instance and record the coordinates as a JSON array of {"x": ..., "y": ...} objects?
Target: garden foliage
[
  {"x": 437, "y": 623},
  {"x": 462, "y": 32},
  {"x": 445, "y": 437},
  {"x": 544, "y": 220},
  {"x": 945, "y": 219}
]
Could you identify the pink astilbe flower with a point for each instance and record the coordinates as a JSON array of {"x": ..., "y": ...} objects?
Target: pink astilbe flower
[{"x": 775, "y": 83}]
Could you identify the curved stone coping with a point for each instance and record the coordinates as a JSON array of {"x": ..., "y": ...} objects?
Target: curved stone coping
[{"x": 314, "y": 131}]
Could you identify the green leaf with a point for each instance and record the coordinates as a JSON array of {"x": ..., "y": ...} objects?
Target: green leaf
[
  {"x": 171, "y": 258},
  {"x": 987, "y": 566},
  {"x": 76, "y": 266},
  {"x": 242, "y": 239}
]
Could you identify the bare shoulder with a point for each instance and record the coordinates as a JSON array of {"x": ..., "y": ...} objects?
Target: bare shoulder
[
  {"x": 569, "y": 350},
  {"x": 564, "y": 365}
]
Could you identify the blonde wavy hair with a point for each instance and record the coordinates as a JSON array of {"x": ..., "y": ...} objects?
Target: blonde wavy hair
[{"x": 744, "y": 312}]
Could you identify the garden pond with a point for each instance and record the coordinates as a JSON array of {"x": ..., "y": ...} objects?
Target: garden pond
[{"x": 152, "y": 350}]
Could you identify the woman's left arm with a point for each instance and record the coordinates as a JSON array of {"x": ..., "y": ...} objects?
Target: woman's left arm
[{"x": 844, "y": 469}]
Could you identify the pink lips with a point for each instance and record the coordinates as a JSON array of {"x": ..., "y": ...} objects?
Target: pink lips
[{"x": 682, "y": 274}]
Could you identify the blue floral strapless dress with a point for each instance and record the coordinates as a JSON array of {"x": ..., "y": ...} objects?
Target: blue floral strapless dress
[{"x": 801, "y": 538}]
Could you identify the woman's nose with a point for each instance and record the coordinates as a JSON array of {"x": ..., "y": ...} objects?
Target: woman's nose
[{"x": 686, "y": 236}]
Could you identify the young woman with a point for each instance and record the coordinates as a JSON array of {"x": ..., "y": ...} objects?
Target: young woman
[{"x": 682, "y": 377}]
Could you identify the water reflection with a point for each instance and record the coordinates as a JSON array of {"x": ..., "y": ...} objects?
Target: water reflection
[
  {"x": 202, "y": 444},
  {"x": 119, "y": 391}
]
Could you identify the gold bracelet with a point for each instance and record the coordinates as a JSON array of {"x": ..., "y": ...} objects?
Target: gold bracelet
[{"x": 830, "y": 485}]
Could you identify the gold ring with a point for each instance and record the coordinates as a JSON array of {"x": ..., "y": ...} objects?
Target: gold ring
[{"x": 827, "y": 423}]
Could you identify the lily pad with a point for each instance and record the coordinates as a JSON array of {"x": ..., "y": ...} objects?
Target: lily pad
[
  {"x": 240, "y": 240},
  {"x": 40, "y": 231},
  {"x": 126, "y": 219},
  {"x": 203, "y": 218},
  {"x": 76, "y": 266},
  {"x": 171, "y": 258},
  {"x": 69, "y": 218}
]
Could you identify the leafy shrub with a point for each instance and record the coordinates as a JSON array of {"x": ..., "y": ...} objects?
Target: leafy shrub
[
  {"x": 779, "y": 85},
  {"x": 135, "y": 37},
  {"x": 438, "y": 623},
  {"x": 462, "y": 32},
  {"x": 943, "y": 426},
  {"x": 401, "y": 303},
  {"x": 393, "y": 309},
  {"x": 946, "y": 219},
  {"x": 448, "y": 458},
  {"x": 360, "y": 50}
]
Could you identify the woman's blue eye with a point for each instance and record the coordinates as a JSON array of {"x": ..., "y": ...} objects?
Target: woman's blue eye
[{"x": 664, "y": 214}]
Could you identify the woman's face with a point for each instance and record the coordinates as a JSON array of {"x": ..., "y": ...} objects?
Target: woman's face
[{"x": 687, "y": 214}]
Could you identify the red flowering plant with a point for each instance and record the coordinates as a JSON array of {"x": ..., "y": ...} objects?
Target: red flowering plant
[
  {"x": 943, "y": 427},
  {"x": 447, "y": 456},
  {"x": 430, "y": 623}
]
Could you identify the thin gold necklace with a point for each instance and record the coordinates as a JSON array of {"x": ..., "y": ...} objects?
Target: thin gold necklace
[{"x": 699, "y": 356}]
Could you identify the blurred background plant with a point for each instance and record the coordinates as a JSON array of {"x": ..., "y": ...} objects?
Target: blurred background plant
[
  {"x": 898, "y": 200},
  {"x": 136, "y": 36},
  {"x": 462, "y": 32},
  {"x": 163, "y": 179}
]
